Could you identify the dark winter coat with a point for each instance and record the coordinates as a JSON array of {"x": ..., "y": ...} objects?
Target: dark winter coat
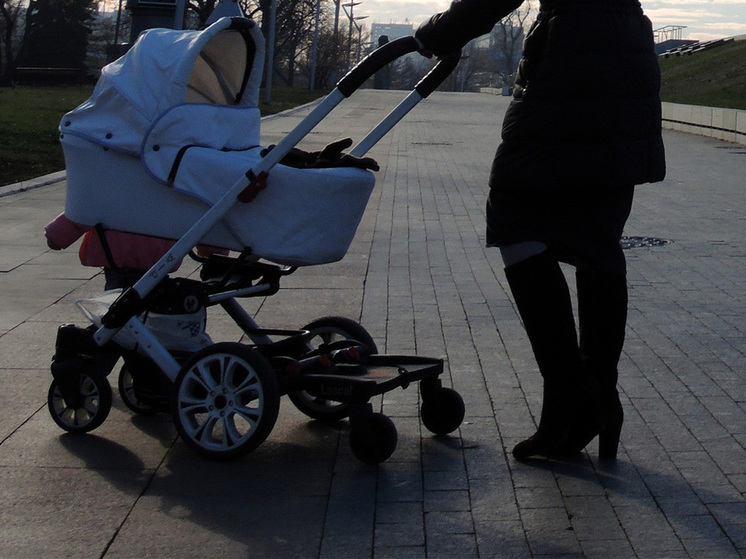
[
  {"x": 586, "y": 104},
  {"x": 585, "y": 120}
]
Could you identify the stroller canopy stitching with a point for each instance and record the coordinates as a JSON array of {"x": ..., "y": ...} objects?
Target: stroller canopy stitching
[{"x": 220, "y": 65}]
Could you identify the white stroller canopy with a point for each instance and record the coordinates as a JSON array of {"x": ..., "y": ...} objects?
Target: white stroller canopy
[
  {"x": 179, "y": 125},
  {"x": 220, "y": 65}
]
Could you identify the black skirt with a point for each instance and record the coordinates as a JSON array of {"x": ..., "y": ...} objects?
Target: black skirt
[{"x": 582, "y": 224}]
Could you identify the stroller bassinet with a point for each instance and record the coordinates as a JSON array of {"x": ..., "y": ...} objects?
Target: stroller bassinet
[{"x": 171, "y": 126}]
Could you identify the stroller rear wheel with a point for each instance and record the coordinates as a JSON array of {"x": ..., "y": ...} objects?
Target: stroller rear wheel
[
  {"x": 85, "y": 407},
  {"x": 225, "y": 400},
  {"x": 324, "y": 331}
]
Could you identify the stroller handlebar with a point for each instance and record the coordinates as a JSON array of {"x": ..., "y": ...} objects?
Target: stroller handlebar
[
  {"x": 389, "y": 52},
  {"x": 438, "y": 74}
]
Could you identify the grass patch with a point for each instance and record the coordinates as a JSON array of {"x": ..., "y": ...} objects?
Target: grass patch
[
  {"x": 712, "y": 78},
  {"x": 285, "y": 98},
  {"x": 29, "y": 117}
]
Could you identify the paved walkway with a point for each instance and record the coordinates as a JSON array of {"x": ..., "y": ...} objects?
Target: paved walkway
[{"x": 419, "y": 279}]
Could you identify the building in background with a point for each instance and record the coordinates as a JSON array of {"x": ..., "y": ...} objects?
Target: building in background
[{"x": 390, "y": 30}]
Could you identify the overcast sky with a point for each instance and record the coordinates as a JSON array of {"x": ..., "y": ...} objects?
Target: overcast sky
[{"x": 703, "y": 19}]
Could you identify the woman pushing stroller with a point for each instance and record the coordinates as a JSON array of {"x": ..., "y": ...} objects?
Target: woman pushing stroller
[{"x": 583, "y": 129}]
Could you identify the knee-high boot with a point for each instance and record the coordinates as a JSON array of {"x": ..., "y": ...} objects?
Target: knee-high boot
[
  {"x": 543, "y": 301},
  {"x": 602, "y": 316}
]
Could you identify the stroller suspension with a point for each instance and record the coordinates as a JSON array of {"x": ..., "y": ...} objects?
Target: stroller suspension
[{"x": 225, "y": 399}]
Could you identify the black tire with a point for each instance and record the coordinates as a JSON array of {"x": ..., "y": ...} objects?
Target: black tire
[
  {"x": 87, "y": 410},
  {"x": 325, "y": 331},
  {"x": 128, "y": 394},
  {"x": 334, "y": 328},
  {"x": 374, "y": 441},
  {"x": 442, "y": 411},
  {"x": 226, "y": 400}
]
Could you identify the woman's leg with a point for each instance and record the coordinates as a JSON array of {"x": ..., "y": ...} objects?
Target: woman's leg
[
  {"x": 601, "y": 279},
  {"x": 543, "y": 301},
  {"x": 602, "y": 315}
]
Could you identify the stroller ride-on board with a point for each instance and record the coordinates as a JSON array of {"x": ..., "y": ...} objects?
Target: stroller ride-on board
[{"x": 168, "y": 146}]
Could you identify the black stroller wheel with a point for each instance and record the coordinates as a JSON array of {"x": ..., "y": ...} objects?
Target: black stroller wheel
[
  {"x": 128, "y": 394},
  {"x": 225, "y": 400},
  {"x": 373, "y": 439},
  {"x": 328, "y": 330},
  {"x": 442, "y": 411},
  {"x": 86, "y": 409}
]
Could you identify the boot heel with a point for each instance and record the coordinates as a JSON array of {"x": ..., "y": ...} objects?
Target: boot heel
[{"x": 608, "y": 437}]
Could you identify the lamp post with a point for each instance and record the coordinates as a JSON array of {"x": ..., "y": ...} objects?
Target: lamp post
[
  {"x": 315, "y": 49},
  {"x": 181, "y": 7},
  {"x": 359, "y": 36},
  {"x": 337, "y": 4},
  {"x": 119, "y": 22},
  {"x": 270, "y": 64},
  {"x": 335, "y": 68},
  {"x": 350, "y": 15}
]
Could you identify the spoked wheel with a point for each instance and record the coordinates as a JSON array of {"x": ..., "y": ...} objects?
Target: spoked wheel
[
  {"x": 442, "y": 410},
  {"x": 225, "y": 400},
  {"x": 328, "y": 330},
  {"x": 84, "y": 410},
  {"x": 129, "y": 394},
  {"x": 373, "y": 436}
]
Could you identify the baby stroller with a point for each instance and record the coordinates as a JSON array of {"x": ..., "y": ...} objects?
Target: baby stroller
[{"x": 168, "y": 145}]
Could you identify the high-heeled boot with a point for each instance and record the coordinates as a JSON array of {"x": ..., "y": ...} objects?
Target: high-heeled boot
[
  {"x": 602, "y": 316},
  {"x": 543, "y": 301}
]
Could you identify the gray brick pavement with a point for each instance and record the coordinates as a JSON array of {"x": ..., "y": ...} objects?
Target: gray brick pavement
[{"x": 419, "y": 279}]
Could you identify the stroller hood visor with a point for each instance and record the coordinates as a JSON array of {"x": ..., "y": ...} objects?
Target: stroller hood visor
[{"x": 220, "y": 65}]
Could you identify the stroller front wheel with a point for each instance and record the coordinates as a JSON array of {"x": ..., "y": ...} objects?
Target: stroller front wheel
[
  {"x": 225, "y": 400},
  {"x": 83, "y": 410}
]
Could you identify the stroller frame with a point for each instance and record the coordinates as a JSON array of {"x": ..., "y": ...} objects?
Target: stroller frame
[{"x": 224, "y": 398}]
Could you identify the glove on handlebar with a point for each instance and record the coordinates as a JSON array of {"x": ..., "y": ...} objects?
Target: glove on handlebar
[
  {"x": 447, "y": 32},
  {"x": 331, "y": 156}
]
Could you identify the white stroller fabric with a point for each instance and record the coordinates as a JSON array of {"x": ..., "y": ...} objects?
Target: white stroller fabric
[
  {"x": 173, "y": 124},
  {"x": 166, "y": 68}
]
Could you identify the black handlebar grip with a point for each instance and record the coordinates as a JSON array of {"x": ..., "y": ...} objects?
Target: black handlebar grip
[
  {"x": 374, "y": 62},
  {"x": 437, "y": 75}
]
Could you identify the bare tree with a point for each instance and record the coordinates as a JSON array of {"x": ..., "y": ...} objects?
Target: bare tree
[
  {"x": 201, "y": 9},
  {"x": 473, "y": 62},
  {"x": 108, "y": 31},
  {"x": 330, "y": 56},
  {"x": 294, "y": 28},
  {"x": 493, "y": 60},
  {"x": 294, "y": 31},
  {"x": 11, "y": 27},
  {"x": 56, "y": 33},
  {"x": 506, "y": 41}
]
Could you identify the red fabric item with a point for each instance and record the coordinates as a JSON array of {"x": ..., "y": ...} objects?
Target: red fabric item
[{"x": 129, "y": 250}]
